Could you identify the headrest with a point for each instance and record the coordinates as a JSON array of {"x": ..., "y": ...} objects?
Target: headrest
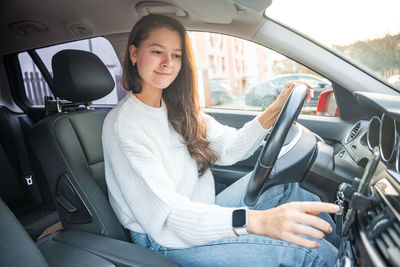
[{"x": 80, "y": 76}]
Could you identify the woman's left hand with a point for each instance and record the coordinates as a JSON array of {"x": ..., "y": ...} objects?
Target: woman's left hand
[
  {"x": 268, "y": 117},
  {"x": 287, "y": 89}
]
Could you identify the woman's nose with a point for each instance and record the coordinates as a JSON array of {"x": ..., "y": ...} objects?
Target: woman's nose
[{"x": 167, "y": 62}]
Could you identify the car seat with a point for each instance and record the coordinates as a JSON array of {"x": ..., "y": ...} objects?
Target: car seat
[
  {"x": 69, "y": 148},
  {"x": 22, "y": 185}
]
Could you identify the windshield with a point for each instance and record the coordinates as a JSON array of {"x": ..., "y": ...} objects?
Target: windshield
[{"x": 366, "y": 32}]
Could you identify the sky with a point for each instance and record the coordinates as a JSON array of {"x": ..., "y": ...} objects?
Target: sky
[{"x": 339, "y": 22}]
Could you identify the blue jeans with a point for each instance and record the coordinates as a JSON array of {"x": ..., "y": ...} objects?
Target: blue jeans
[{"x": 253, "y": 250}]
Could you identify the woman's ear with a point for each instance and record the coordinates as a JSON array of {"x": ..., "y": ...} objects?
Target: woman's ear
[{"x": 132, "y": 53}]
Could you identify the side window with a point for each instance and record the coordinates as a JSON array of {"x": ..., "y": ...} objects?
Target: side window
[
  {"x": 35, "y": 86},
  {"x": 246, "y": 76}
]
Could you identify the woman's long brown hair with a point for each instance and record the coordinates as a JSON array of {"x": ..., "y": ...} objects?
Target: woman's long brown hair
[{"x": 181, "y": 96}]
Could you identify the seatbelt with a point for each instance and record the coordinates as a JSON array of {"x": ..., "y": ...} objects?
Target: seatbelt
[{"x": 26, "y": 172}]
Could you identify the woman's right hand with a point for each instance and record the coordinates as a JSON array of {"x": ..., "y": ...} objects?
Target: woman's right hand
[{"x": 287, "y": 221}]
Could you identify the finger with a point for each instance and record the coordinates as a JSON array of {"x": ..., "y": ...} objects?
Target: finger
[
  {"x": 310, "y": 94},
  {"x": 314, "y": 206},
  {"x": 308, "y": 231},
  {"x": 300, "y": 241},
  {"x": 315, "y": 222}
]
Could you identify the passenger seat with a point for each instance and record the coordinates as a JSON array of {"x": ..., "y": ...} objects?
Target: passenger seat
[{"x": 69, "y": 148}]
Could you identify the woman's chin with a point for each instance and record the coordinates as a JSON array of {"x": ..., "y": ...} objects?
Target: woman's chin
[{"x": 162, "y": 86}]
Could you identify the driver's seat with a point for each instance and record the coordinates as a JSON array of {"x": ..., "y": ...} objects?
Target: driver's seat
[{"x": 69, "y": 148}]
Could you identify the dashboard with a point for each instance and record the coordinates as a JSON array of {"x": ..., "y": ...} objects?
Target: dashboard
[{"x": 373, "y": 216}]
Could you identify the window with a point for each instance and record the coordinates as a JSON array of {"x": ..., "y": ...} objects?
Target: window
[
  {"x": 212, "y": 39},
  {"x": 35, "y": 86},
  {"x": 237, "y": 65},
  {"x": 211, "y": 64},
  {"x": 252, "y": 76}
]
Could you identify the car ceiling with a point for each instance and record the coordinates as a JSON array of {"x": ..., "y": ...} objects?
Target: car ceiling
[{"x": 39, "y": 23}]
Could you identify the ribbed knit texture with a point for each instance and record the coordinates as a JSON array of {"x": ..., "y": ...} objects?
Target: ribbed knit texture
[{"x": 153, "y": 183}]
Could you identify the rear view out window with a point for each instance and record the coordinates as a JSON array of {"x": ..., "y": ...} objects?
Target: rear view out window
[{"x": 36, "y": 87}]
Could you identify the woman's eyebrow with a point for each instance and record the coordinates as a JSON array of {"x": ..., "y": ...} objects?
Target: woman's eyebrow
[{"x": 163, "y": 47}]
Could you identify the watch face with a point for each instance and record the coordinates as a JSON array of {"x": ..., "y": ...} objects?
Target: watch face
[{"x": 239, "y": 218}]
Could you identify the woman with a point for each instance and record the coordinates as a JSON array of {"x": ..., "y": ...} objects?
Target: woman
[{"x": 158, "y": 149}]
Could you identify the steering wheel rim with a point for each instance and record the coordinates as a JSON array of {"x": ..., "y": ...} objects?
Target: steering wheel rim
[{"x": 273, "y": 145}]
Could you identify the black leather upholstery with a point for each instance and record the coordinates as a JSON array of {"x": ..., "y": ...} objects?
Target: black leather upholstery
[
  {"x": 59, "y": 254},
  {"x": 35, "y": 217},
  {"x": 11, "y": 189},
  {"x": 80, "y": 76},
  {"x": 69, "y": 248},
  {"x": 69, "y": 146},
  {"x": 121, "y": 253},
  {"x": 16, "y": 247}
]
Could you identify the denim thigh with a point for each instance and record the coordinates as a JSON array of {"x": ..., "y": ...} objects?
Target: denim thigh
[{"x": 244, "y": 250}]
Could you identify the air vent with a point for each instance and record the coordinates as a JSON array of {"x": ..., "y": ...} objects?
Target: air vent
[
  {"x": 353, "y": 133},
  {"x": 383, "y": 232},
  {"x": 388, "y": 240}
]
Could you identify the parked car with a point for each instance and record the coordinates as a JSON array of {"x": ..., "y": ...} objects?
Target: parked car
[
  {"x": 220, "y": 92},
  {"x": 264, "y": 93},
  {"x": 52, "y": 165}
]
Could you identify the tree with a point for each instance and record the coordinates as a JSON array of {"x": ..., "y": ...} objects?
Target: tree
[{"x": 379, "y": 55}]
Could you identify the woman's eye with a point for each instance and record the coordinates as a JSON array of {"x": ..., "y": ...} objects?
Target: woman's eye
[
  {"x": 157, "y": 52},
  {"x": 177, "y": 56}
]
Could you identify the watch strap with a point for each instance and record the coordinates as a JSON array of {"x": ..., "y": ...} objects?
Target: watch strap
[{"x": 241, "y": 231}]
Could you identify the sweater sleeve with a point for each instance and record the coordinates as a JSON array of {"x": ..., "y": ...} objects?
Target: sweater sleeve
[
  {"x": 163, "y": 213},
  {"x": 232, "y": 145}
]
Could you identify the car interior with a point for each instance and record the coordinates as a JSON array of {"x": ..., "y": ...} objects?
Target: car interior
[{"x": 54, "y": 206}]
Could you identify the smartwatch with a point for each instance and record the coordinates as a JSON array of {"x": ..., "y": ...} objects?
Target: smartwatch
[{"x": 239, "y": 220}]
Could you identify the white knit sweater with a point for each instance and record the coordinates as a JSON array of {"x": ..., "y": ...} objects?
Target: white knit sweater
[{"x": 153, "y": 183}]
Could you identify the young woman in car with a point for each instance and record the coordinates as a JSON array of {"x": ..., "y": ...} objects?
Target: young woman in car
[{"x": 158, "y": 150}]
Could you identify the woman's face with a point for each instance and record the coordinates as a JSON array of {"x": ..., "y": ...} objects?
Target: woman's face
[{"x": 158, "y": 58}]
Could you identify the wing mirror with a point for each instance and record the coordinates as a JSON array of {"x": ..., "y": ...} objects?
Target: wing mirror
[{"x": 327, "y": 104}]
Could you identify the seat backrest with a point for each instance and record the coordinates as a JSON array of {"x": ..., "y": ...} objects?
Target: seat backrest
[
  {"x": 11, "y": 188},
  {"x": 69, "y": 147},
  {"x": 16, "y": 247},
  {"x": 15, "y": 152}
]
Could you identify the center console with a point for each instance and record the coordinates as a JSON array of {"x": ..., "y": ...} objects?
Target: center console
[{"x": 369, "y": 220}]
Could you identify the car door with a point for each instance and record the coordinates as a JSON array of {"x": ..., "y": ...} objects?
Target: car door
[{"x": 251, "y": 65}]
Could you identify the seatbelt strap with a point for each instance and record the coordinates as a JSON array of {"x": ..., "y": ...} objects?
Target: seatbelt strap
[{"x": 26, "y": 172}]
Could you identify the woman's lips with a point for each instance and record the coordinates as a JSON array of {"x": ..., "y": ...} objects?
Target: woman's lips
[{"x": 161, "y": 73}]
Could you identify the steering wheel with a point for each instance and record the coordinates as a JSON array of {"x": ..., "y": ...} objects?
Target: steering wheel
[{"x": 259, "y": 180}]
